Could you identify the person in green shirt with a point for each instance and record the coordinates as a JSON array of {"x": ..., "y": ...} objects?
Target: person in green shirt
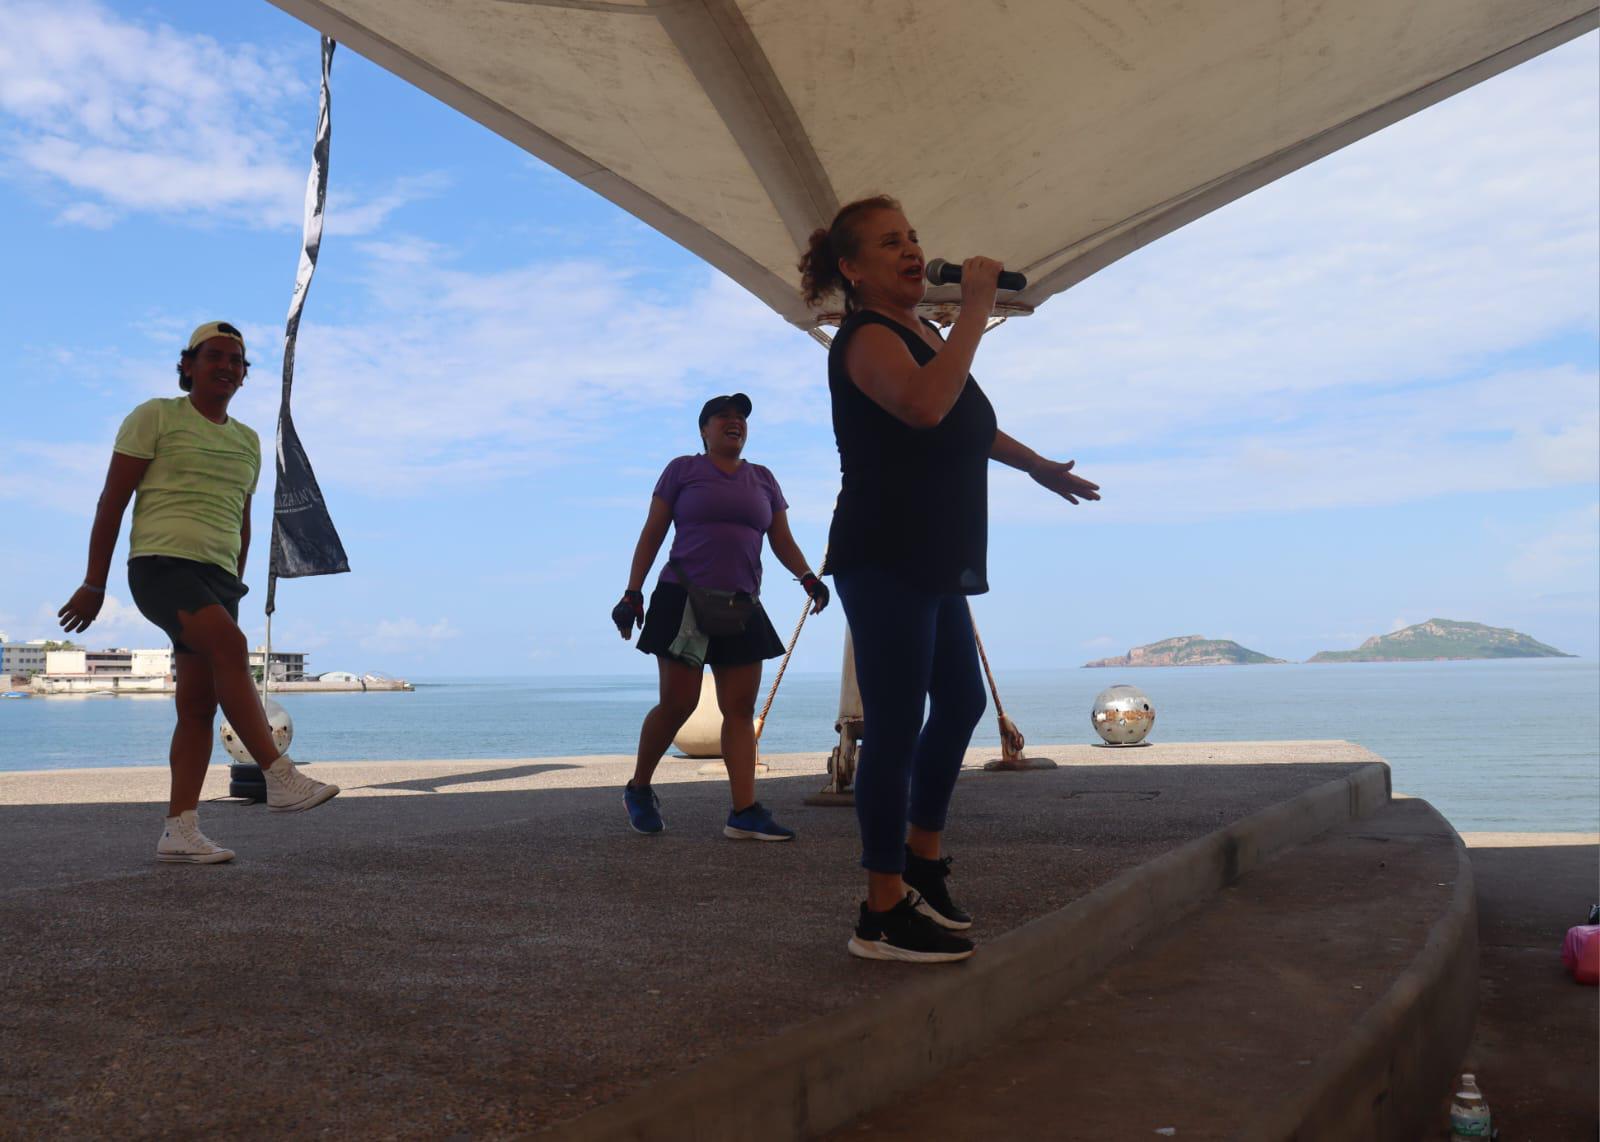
[{"x": 193, "y": 469}]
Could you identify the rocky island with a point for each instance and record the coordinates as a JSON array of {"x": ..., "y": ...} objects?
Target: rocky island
[
  {"x": 1188, "y": 650},
  {"x": 1443, "y": 639}
]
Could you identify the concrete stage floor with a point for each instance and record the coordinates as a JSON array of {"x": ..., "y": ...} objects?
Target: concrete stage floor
[{"x": 485, "y": 948}]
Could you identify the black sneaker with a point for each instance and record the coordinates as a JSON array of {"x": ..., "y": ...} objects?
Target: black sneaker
[
  {"x": 927, "y": 877},
  {"x": 904, "y": 934}
]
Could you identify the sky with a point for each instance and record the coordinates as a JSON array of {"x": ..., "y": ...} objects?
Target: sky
[{"x": 1361, "y": 397}]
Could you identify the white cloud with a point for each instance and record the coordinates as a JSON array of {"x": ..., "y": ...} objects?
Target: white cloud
[
  {"x": 65, "y": 477},
  {"x": 349, "y": 215},
  {"x": 126, "y": 117},
  {"x": 396, "y": 635},
  {"x": 466, "y": 378},
  {"x": 1567, "y": 553},
  {"x": 118, "y": 624},
  {"x": 1520, "y": 429},
  {"x": 90, "y": 215}
]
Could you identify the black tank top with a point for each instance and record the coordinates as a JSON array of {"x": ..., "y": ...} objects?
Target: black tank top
[{"x": 914, "y": 501}]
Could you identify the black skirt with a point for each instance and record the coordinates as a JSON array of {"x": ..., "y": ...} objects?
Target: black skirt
[{"x": 664, "y": 616}]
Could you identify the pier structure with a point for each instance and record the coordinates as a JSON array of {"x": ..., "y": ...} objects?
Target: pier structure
[{"x": 1243, "y": 939}]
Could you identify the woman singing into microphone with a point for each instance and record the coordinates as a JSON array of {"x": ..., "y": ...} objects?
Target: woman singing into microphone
[{"x": 908, "y": 544}]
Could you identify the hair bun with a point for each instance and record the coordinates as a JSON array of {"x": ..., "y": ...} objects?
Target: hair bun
[{"x": 819, "y": 265}]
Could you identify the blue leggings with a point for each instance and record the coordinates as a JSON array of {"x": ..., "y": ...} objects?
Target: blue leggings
[{"x": 914, "y": 650}]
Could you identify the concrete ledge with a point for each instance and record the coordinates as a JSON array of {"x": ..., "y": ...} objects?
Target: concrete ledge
[
  {"x": 1382, "y": 1083},
  {"x": 824, "y": 1073}
]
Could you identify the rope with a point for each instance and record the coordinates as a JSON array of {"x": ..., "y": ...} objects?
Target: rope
[
  {"x": 761, "y": 721},
  {"x": 984, "y": 658},
  {"x": 1011, "y": 739}
]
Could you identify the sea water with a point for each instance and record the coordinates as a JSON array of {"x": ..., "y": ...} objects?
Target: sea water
[{"x": 1495, "y": 745}]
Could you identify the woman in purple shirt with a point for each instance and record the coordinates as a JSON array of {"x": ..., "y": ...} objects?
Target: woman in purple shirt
[{"x": 720, "y": 506}]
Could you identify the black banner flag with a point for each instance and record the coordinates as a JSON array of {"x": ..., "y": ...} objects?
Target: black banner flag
[{"x": 304, "y": 541}]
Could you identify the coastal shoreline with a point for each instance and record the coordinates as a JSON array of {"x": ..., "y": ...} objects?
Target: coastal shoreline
[{"x": 108, "y": 687}]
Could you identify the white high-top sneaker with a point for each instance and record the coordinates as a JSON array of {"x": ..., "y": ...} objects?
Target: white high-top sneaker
[
  {"x": 182, "y": 842},
  {"x": 290, "y": 791}
]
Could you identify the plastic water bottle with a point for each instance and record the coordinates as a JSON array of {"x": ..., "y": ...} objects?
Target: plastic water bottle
[{"x": 1469, "y": 1114}]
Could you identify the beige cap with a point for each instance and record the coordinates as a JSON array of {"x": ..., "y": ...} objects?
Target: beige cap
[{"x": 215, "y": 329}]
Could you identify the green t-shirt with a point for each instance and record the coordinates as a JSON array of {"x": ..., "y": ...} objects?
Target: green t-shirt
[{"x": 190, "y": 503}]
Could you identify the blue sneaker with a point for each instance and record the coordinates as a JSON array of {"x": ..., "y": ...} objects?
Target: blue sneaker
[
  {"x": 755, "y": 824},
  {"x": 644, "y": 809}
]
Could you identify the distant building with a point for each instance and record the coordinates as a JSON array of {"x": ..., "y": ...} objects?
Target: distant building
[
  {"x": 287, "y": 665},
  {"x": 22, "y": 658},
  {"x": 33, "y": 658},
  {"x": 113, "y": 662},
  {"x": 152, "y": 661},
  {"x": 117, "y": 670},
  {"x": 66, "y": 662}
]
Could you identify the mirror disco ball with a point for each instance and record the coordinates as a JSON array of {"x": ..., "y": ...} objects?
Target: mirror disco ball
[
  {"x": 1122, "y": 715},
  {"x": 282, "y": 734}
]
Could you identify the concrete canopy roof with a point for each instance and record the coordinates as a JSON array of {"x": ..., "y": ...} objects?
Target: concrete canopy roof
[{"x": 1058, "y": 135}]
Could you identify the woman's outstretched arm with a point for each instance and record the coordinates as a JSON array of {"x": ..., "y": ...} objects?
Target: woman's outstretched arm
[
  {"x": 1054, "y": 475},
  {"x": 121, "y": 479}
]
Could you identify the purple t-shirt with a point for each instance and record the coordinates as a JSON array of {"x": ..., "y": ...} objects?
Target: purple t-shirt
[{"x": 718, "y": 520}]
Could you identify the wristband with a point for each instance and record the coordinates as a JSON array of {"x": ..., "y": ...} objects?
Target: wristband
[{"x": 88, "y": 586}]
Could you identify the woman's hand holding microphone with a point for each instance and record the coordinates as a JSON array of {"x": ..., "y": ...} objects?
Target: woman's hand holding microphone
[{"x": 980, "y": 281}]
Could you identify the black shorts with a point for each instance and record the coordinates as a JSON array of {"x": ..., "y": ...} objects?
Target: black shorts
[
  {"x": 756, "y": 643},
  {"x": 163, "y": 585}
]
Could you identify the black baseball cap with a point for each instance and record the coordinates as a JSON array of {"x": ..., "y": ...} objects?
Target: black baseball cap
[{"x": 736, "y": 401}]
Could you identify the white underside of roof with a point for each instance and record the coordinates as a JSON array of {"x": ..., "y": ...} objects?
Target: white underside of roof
[{"x": 1057, "y": 135}]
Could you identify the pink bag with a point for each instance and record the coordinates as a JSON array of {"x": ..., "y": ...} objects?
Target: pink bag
[{"x": 1580, "y": 951}]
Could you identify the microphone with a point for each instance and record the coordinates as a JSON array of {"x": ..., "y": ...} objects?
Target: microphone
[{"x": 941, "y": 272}]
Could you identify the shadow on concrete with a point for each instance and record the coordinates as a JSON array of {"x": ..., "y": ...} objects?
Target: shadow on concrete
[
  {"x": 478, "y": 777},
  {"x": 1536, "y": 1049},
  {"x": 491, "y": 962},
  {"x": 1117, "y": 794}
]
